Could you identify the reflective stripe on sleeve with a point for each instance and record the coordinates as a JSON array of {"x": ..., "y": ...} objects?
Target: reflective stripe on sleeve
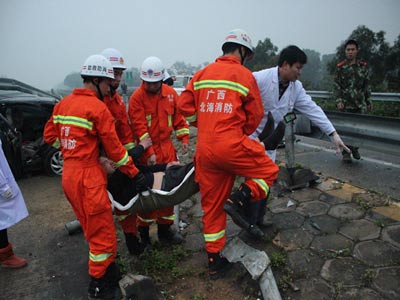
[
  {"x": 144, "y": 136},
  {"x": 122, "y": 161},
  {"x": 182, "y": 131},
  {"x": 191, "y": 118},
  {"x": 129, "y": 146}
]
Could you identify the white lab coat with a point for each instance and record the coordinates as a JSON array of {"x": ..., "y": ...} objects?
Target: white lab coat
[
  {"x": 294, "y": 98},
  {"x": 12, "y": 210}
]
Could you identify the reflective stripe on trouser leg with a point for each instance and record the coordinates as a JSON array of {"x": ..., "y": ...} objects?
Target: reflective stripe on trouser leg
[
  {"x": 165, "y": 215},
  {"x": 146, "y": 219},
  {"x": 127, "y": 221},
  {"x": 259, "y": 189},
  {"x": 86, "y": 191},
  {"x": 102, "y": 238},
  {"x": 213, "y": 197}
]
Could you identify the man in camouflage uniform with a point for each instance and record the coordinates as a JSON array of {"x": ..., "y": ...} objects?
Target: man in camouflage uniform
[{"x": 351, "y": 89}]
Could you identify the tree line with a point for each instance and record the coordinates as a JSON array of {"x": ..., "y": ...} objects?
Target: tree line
[{"x": 382, "y": 58}]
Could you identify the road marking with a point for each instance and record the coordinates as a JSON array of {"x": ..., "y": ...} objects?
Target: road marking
[{"x": 372, "y": 160}]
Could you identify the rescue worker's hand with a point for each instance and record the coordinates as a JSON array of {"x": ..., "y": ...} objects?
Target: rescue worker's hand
[
  {"x": 340, "y": 106},
  {"x": 151, "y": 160},
  {"x": 337, "y": 141},
  {"x": 185, "y": 148},
  {"x": 140, "y": 182},
  {"x": 7, "y": 192},
  {"x": 146, "y": 142}
]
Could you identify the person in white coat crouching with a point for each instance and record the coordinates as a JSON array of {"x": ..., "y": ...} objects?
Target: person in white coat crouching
[{"x": 12, "y": 210}]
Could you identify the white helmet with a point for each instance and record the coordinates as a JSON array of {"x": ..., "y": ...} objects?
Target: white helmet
[
  {"x": 152, "y": 69},
  {"x": 239, "y": 36},
  {"x": 115, "y": 57},
  {"x": 97, "y": 66}
]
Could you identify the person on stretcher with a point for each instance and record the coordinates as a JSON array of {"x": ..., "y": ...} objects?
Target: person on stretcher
[{"x": 166, "y": 177}]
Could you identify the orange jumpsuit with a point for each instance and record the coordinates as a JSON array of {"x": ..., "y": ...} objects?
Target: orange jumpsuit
[
  {"x": 79, "y": 123},
  {"x": 156, "y": 115},
  {"x": 116, "y": 106},
  {"x": 224, "y": 102}
]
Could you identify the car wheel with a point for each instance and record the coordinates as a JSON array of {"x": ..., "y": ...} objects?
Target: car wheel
[{"x": 53, "y": 163}]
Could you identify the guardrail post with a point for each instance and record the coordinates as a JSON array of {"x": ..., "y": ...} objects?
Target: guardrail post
[{"x": 289, "y": 145}]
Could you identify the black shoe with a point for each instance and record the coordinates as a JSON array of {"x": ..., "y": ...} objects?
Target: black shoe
[
  {"x": 168, "y": 236},
  {"x": 354, "y": 152},
  {"x": 255, "y": 232},
  {"x": 135, "y": 247},
  {"x": 106, "y": 287},
  {"x": 346, "y": 157},
  {"x": 218, "y": 266}
]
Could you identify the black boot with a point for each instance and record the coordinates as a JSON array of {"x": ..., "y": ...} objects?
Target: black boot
[
  {"x": 106, "y": 287},
  {"x": 254, "y": 213},
  {"x": 268, "y": 128},
  {"x": 135, "y": 247},
  {"x": 145, "y": 237},
  {"x": 217, "y": 265},
  {"x": 236, "y": 205},
  {"x": 168, "y": 236},
  {"x": 272, "y": 141}
]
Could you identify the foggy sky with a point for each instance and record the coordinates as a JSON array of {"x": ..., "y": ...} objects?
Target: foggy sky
[{"x": 44, "y": 40}]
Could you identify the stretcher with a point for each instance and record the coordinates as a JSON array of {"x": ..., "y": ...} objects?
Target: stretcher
[{"x": 154, "y": 199}]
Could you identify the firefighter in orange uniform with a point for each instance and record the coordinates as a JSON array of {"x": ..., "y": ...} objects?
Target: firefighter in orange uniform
[
  {"x": 79, "y": 123},
  {"x": 117, "y": 107},
  {"x": 224, "y": 102},
  {"x": 152, "y": 112}
]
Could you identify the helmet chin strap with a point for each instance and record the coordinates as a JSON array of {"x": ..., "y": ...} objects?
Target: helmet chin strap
[
  {"x": 242, "y": 56},
  {"x": 99, "y": 93},
  {"x": 112, "y": 90}
]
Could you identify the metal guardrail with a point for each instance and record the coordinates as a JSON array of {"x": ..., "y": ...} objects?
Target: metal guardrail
[
  {"x": 324, "y": 95},
  {"x": 383, "y": 129}
]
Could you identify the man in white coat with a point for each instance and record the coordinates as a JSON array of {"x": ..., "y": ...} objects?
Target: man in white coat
[
  {"x": 12, "y": 210},
  {"x": 282, "y": 94}
]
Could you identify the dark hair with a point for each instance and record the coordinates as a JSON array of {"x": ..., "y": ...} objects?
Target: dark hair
[
  {"x": 292, "y": 54},
  {"x": 87, "y": 79},
  {"x": 231, "y": 47},
  {"x": 351, "y": 42}
]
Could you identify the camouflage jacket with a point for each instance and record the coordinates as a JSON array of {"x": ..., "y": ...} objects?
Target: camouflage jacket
[{"x": 351, "y": 85}]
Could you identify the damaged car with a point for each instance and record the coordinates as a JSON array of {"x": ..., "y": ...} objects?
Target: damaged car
[{"x": 26, "y": 110}]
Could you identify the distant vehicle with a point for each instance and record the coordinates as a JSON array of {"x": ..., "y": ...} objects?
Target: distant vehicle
[
  {"x": 181, "y": 82},
  {"x": 24, "y": 112}
]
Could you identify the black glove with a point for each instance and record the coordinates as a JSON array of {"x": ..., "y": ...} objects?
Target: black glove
[{"x": 140, "y": 182}]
